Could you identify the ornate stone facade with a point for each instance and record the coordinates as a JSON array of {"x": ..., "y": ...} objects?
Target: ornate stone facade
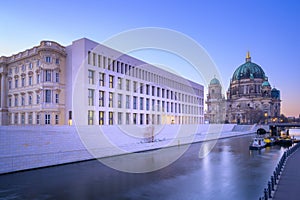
[
  {"x": 250, "y": 97},
  {"x": 33, "y": 86}
]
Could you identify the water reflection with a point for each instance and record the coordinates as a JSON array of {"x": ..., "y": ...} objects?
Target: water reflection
[{"x": 230, "y": 171}]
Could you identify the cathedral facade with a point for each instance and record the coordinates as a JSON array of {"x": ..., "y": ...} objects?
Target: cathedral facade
[{"x": 250, "y": 97}]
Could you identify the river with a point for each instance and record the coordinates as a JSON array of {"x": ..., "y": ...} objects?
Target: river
[{"x": 229, "y": 171}]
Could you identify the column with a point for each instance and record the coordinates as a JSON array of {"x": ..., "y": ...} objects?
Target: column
[{"x": 3, "y": 91}]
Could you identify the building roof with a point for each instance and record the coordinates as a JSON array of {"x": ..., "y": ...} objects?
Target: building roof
[
  {"x": 214, "y": 81},
  {"x": 266, "y": 84},
  {"x": 248, "y": 70}
]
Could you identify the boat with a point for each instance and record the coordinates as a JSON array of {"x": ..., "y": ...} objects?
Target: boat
[
  {"x": 257, "y": 143},
  {"x": 270, "y": 141},
  {"x": 284, "y": 139}
]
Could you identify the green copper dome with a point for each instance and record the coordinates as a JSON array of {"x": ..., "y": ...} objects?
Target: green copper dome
[
  {"x": 266, "y": 84},
  {"x": 248, "y": 70},
  {"x": 214, "y": 81}
]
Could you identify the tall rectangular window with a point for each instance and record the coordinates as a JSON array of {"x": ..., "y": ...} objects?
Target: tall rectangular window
[
  {"x": 110, "y": 118},
  {"x": 158, "y": 92},
  {"x": 101, "y": 79},
  {"x": 168, "y": 105},
  {"x": 37, "y": 78},
  {"x": 90, "y": 97},
  {"x": 158, "y": 105},
  {"x": 90, "y": 117},
  {"x": 163, "y": 106},
  {"x": 163, "y": 93},
  {"x": 16, "y": 83},
  {"x": 16, "y": 100},
  {"x": 127, "y": 102},
  {"x": 147, "y": 89},
  {"x": 48, "y": 59},
  {"x": 127, "y": 85},
  {"x": 47, "y": 118},
  {"x": 30, "y": 118},
  {"x": 119, "y": 83},
  {"x": 141, "y": 103},
  {"x": 38, "y": 119},
  {"x": 127, "y": 118},
  {"x": 153, "y": 91},
  {"x": 153, "y": 104},
  {"x": 29, "y": 80},
  {"x": 141, "y": 119},
  {"x": 22, "y": 118},
  {"x": 134, "y": 118},
  {"x": 9, "y": 102},
  {"x": 134, "y": 102},
  {"x": 119, "y": 100},
  {"x": 111, "y": 81},
  {"x": 141, "y": 88},
  {"x": 23, "y": 81},
  {"x": 9, "y": 84},
  {"x": 38, "y": 97},
  {"x": 111, "y": 100},
  {"x": 56, "y": 119},
  {"x": 89, "y": 57},
  {"x": 134, "y": 86},
  {"x": 56, "y": 98},
  {"x": 91, "y": 76},
  {"x": 16, "y": 118},
  {"x": 57, "y": 77},
  {"x": 48, "y": 96},
  {"x": 120, "y": 118},
  {"x": 101, "y": 98},
  {"x": 29, "y": 99},
  {"x": 48, "y": 76},
  {"x": 22, "y": 101},
  {"x": 57, "y": 61},
  {"x": 101, "y": 117},
  {"x": 147, "y": 104}
]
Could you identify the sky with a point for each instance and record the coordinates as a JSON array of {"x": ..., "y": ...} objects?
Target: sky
[{"x": 269, "y": 29}]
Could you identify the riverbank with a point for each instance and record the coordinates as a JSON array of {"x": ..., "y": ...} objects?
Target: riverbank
[{"x": 24, "y": 148}]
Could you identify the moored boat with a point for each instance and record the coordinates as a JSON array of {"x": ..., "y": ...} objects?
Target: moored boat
[{"x": 257, "y": 143}]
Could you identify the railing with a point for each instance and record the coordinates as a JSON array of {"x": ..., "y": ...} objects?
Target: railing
[{"x": 270, "y": 189}]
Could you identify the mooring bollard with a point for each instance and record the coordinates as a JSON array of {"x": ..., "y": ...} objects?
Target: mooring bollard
[
  {"x": 275, "y": 176},
  {"x": 266, "y": 194},
  {"x": 269, "y": 189},
  {"x": 272, "y": 181}
]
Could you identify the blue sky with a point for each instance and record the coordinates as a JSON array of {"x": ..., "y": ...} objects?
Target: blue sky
[{"x": 270, "y": 30}]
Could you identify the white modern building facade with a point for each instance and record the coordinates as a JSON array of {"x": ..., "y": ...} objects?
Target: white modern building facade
[{"x": 87, "y": 83}]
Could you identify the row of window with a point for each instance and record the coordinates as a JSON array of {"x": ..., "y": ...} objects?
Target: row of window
[
  {"x": 125, "y": 84},
  {"x": 19, "y": 118},
  {"x": 48, "y": 59},
  {"x": 144, "y": 103},
  {"x": 47, "y": 78},
  {"x": 47, "y": 99},
  {"x": 138, "y": 118},
  {"x": 124, "y": 68}
]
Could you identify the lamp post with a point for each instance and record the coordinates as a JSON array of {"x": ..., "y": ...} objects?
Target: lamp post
[{"x": 266, "y": 117}]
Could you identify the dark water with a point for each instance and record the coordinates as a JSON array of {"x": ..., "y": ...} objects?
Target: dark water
[{"x": 230, "y": 171}]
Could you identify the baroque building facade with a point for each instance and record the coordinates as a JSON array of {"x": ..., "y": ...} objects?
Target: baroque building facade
[
  {"x": 250, "y": 97},
  {"x": 86, "y": 83},
  {"x": 33, "y": 86}
]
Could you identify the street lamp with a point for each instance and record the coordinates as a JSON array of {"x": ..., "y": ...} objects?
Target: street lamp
[{"x": 266, "y": 117}]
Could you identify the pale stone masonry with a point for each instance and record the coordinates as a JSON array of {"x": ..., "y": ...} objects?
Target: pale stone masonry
[
  {"x": 87, "y": 83},
  {"x": 33, "y": 86}
]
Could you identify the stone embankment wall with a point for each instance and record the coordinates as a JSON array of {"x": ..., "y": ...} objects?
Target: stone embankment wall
[{"x": 30, "y": 147}]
